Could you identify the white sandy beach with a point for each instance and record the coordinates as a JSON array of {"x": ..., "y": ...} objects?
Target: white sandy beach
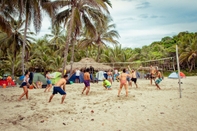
[{"x": 145, "y": 109}]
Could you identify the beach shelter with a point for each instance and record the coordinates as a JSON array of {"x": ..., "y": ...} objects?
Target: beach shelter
[
  {"x": 72, "y": 78},
  {"x": 56, "y": 76},
  {"x": 173, "y": 75},
  {"x": 100, "y": 75},
  {"x": 39, "y": 77},
  {"x": 36, "y": 77}
]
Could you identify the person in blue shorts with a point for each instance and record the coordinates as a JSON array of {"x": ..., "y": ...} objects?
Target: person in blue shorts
[
  {"x": 25, "y": 85},
  {"x": 49, "y": 83},
  {"x": 60, "y": 87},
  {"x": 107, "y": 84},
  {"x": 157, "y": 81}
]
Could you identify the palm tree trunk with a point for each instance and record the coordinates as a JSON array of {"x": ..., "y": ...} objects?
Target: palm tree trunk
[
  {"x": 13, "y": 67},
  {"x": 65, "y": 56},
  {"x": 98, "y": 55},
  {"x": 192, "y": 64},
  {"x": 24, "y": 44},
  {"x": 69, "y": 31},
  {"x": 188, "y": 65},
  {"x": 72, "y": 54}
]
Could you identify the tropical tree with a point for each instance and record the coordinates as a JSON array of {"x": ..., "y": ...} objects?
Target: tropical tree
[
  {"x": 32, "y": 10},
  {"x": 188, "y": 50},
  {"x": 7, "y": 8},
  {"x": 80, "y": 13},
  {"x": 12, "y": 65},
  {"x": 42, "y": 55},
  {"x": 14, "y": 40},
  {"x": 56, "y": 38},
  {"x": 104, "y": 36}
]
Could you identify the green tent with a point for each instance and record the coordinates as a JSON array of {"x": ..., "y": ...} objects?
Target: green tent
[
  {"x": 56, "y": 76},
  {"x": 39, "y": 77},
  {"x": 36, "y": 77}
]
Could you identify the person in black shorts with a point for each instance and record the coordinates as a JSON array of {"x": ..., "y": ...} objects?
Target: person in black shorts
[{"x": 134, "y": 78}]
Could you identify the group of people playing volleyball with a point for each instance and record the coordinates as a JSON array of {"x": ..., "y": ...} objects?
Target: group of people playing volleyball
[{"x": 125, "y": 78}]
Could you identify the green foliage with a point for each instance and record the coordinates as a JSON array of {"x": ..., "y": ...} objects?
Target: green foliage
[{"x": 89, "y": 24}]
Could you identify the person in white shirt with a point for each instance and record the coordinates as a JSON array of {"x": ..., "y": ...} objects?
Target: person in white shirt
[
  {"x": 77, "y": 74},
  {"x": 25, "y": 85}
]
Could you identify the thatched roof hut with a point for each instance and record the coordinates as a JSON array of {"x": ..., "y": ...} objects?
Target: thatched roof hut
[{"x": 87, "y": 62}]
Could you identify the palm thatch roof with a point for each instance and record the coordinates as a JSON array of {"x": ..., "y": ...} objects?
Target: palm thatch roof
[{"x": 87, "y": 62}]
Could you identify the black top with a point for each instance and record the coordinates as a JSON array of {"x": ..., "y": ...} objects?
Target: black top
[
  {"x": 31, "y": 75},
  {"x": 91, "y": 70}
]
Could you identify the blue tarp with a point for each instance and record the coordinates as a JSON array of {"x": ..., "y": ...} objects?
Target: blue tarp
[{"x": 72, "y": 78}]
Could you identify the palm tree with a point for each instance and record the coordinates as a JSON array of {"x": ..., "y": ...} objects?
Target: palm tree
[
  {"x": 78, "y": 14},
  {"x": 56, "y": 37},
  {"x": 56, "y": 62},
  {"x": 105, "y": 36},
  {"x": 7, "y": 7},
  {"x": 32, "y": 9},
  {"x": 188, "y": 50},
  {"x": 42, "y": 55},
  {"x": 14, "y": 41},
  {"x": 12, "y": 65}
]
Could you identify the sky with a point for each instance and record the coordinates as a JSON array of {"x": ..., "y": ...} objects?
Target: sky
[{"x": 141, "y": 22}]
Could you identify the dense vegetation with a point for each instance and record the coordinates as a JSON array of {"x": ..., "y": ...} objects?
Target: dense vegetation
[{"x": 89, "y": 32}]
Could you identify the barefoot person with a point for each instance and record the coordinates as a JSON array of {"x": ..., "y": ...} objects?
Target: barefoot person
[
  {"x": 152, "y": 74},
  {"x": 109, "y": 76},
  {"x": 123, "y": 82},
  {"x": 25, "y": 85},
  {"x": 159, "y": 79},
  {"x": 77, "y": 75},
  {"x": 49, "y": 83},
  {"x": 58, "y": 88},
  {"x": 86, "y": 81},
  {"x": 134, "y": 78},
  {"x": 106, "y": 84},
  {"x": 9, "y": 80}
]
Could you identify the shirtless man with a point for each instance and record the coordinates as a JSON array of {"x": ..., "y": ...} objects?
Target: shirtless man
[
  {"x": 152, "y": 74},
  {"x": 159, "y": 79},
  {"x": 123, "y": 82},
  {"x": 86, "y": 81},
  {"x": 58, "y": 88},
  {"x": 134, "y": 78}
]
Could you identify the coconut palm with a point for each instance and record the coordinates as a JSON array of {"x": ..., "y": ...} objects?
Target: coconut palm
[
  {"x": 32, "y": 10},
  {"x": 14, "y": 40},
  {"x": 12, "y": 65},
  {"x": 105, "y": 36},
  {"x": 41, "y": 55},
  {"x": 56, "y": 37},
  {"x": 7, "y": 8},
  {"x": 78, "y": 14},
  {"x": 56, "y": 62},
  {"x": 188, "y": 50}
]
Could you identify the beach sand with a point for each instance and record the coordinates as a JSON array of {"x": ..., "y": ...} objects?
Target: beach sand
[{"x": 145, "y": 109}]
